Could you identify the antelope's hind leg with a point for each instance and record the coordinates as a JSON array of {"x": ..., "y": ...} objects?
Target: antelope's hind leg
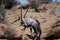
[{"x": 35, "y": 33}]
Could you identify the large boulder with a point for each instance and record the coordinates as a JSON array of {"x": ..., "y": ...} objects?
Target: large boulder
[{"x": 48, "y": 23}]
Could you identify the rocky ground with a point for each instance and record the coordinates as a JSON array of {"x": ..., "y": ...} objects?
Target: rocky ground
[{"x": 49, "y": 23}]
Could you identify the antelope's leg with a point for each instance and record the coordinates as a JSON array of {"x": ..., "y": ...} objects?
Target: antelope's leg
[
  {"x": 35, "y": 30},
  {"x": 26, "y": 12},
  {"x": 36, "y": 35},
  {"x": 31, "y": 30}
]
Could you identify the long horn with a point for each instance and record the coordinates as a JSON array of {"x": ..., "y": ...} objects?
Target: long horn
[
  {"x": 21, "y": 14},
  {"x": 26, "y": 12}
]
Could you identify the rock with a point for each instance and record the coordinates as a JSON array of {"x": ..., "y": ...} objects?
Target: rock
[
  {"x": 9, "y": 31},
  {"x": 2, "y": 26},
  {"x": 48, "y": 25},
  {"x": 13, "y": 21}
]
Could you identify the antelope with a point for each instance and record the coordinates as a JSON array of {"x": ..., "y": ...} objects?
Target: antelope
[{"x": 32, "y": 23}]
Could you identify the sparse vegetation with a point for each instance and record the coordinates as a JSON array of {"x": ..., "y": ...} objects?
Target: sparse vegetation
[{"x": 9, "y": 3}]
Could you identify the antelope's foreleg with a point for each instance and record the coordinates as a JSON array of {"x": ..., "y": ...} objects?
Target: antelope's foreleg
[{"x": 31, "y": 30}]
